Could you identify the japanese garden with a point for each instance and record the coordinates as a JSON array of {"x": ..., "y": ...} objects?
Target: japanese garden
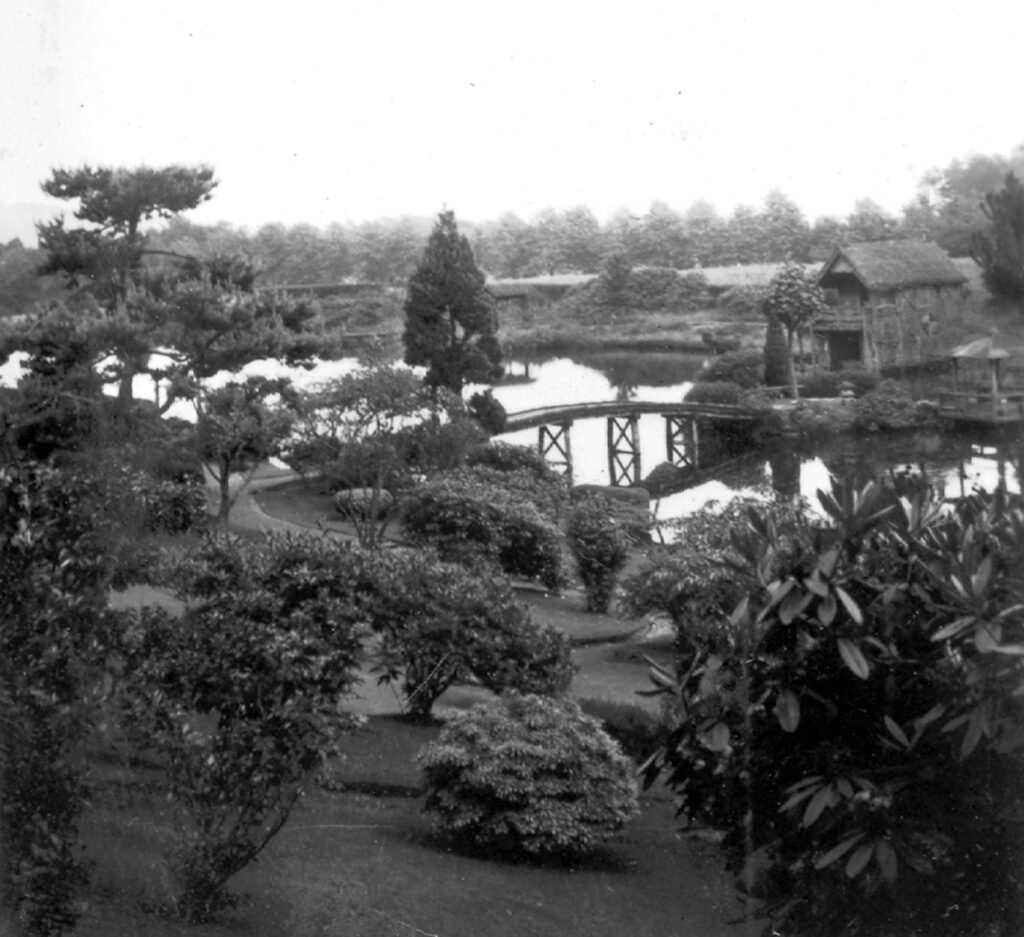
[{"x": 435, "y": 578}]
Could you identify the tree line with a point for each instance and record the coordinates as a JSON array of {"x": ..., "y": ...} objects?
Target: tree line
[{"x": 947, "y": 209}]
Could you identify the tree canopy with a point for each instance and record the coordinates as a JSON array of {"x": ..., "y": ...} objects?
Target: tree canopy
[
  {"x": 450, "y": 324},
  {"x": 999, "y": 250},
  {"x": 142, "y": 308}
]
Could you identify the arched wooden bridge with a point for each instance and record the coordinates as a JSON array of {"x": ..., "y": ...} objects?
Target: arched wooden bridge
[{"x": 681, "y": 431}]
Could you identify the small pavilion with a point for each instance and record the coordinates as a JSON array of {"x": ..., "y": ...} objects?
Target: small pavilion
[{"x": 979, "y": 394}]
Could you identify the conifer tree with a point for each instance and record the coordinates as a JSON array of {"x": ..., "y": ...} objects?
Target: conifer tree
[
  {"x": 1000, "y": 250},
  {"x": 450, "y": 324}
]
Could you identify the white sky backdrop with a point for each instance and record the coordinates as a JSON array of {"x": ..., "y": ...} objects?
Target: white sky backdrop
[{"x": 346, "y": 111}]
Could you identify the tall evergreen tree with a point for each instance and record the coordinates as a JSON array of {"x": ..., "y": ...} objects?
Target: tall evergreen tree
[
  {"x": 1000, "y": 250},
  {"x": 450, "y": 324}
]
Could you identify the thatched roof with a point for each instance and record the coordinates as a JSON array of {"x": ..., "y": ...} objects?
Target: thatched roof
[
  {"x": 895, "y": 265},
  {"x": 981, "y": 349}
]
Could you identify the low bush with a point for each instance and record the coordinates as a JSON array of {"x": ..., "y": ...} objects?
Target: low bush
[
  {"x": 506, "y": 457},
  {"x": 469, "y": 519},
  {"x": 528, "y": 776},
  {"x": 745, "y": 369},
  {"x": 441, "y": 624},
  {"x": 600, "y": 546},
  {"x": 888, "y": 407},
  {"x": 744, "y": 301},
  {"x": 638, "y": 732},
  {"x": 820, "y": 383},
  {"x": 713, "y": 392}
]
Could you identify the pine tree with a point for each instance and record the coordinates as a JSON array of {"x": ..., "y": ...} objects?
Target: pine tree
[
  {"x": 450, "y": 324},
  {"x": 1000, "y": 250}
]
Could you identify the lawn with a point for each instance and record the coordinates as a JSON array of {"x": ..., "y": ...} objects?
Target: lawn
[{"x": 357, "y": 858}]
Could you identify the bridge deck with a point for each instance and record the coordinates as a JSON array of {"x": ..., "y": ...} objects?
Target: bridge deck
[{"x": 564, "y": 413}]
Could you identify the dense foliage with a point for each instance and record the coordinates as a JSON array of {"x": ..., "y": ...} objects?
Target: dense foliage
[
  {"x": 54, "y": 637},
  {"x": 441, "y": 624},
  {"x": 999, "y": 247},
  {"x": 249, "y": 683},
  {"x": 794, "y": 301},
  {"x": 890, "y": 406},
  {"x": 528, "y": 776},
  {"x": 853, "y": 724},
  {"x": 450, "y": 325},
  {"x": 600, "y": 546},
  {"x": 476, "y": 516},
  {"x": 713, "y": 392},
  {"x": 820, "y": 383},
  {"x": 743, "y": 368}
]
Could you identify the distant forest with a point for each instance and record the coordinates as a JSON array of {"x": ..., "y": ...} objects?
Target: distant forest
[{"x": 946, "y": 209}]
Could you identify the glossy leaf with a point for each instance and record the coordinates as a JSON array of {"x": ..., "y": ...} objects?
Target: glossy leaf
[
  {"x": 787, "y": 710},
  {"x": 854, "y": 658},
  {"x": 837, "y": 852},
  {"x": 859, "y": 859}
]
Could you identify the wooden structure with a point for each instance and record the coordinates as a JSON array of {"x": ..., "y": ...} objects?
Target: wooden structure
[
  {"x": 623, "y": 418},
  {"x": 886, "y": 301},
  {"x": 978, "y": 394}
]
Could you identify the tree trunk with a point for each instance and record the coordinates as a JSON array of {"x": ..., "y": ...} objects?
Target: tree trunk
[
  {"x": 792, "y": 369},
  {"x": 224, "y": 508}
]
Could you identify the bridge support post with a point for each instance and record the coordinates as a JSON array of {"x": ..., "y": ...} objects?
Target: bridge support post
[
  {"x": 681, "y": 441},
  {"x": 624, "y": 450},
  {"x": 556, "y": 439}
]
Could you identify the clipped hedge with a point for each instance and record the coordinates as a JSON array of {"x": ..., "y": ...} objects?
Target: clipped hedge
[{"x": 528, "y": 776}]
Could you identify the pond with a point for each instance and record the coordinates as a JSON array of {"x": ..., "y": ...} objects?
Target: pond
[{"x": 953, "y": 462}]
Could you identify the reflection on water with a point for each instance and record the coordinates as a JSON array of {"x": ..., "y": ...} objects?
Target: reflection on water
[{"x": 953, "y": 463}]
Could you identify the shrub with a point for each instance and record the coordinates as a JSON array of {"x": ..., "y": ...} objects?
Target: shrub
[
  {"x": 657, "y": 288},
  {"x": 888, "y": 407},
  {"x": 249, "y": 687},
  {"x": 441, "y": 623},
  {"x": 742, "y": 300},
  {"x": 745, "y": 369},
  {"x": 54, "y": 638},
  {"x": 506, "y": 457},
  {"x": 713, "y": 392},
  {"x": 638, "y": 732},
  {"x": 528, "y": 776},
  {"x": 488, "y": 411},
  {"x": 820, "y": 383},
  {"x": 600, "y": 547},
  {"x": 469, "y": 520},
  {"x": 857, "y": 735}
]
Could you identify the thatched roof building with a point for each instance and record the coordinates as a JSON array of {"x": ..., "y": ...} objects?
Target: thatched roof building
[{"x": 879, "y": 270}]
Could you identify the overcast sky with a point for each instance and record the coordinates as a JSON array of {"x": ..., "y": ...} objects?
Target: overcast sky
[{"x": 346, "y": 111}]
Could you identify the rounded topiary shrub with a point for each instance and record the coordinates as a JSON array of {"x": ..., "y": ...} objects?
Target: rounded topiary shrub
[{"x": 528, "y": 776}]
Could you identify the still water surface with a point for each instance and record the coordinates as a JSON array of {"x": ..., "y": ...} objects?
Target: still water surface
[{"x": 952, "y": 462}]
